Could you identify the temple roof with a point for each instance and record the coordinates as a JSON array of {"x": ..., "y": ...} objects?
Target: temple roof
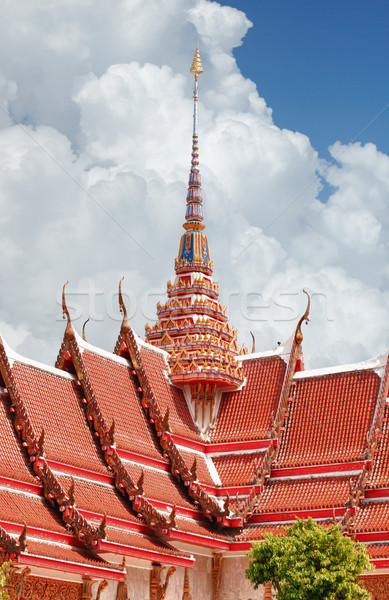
[{"x": 184, "y": 440}]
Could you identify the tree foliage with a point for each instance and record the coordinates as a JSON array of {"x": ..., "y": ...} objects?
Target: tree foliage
[
  {"x": 3, "y": 580},
  {"x": 310, "y": 563}
]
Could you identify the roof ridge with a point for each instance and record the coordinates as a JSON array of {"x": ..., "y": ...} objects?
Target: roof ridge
[
  {"x": 14, "y": 356},
  {"x": 376, "y": 364},
  {"x": 209, "y": 506},
  {"x": 278, "y": 419},
  {"x": 52, "y": 489},
  {"x": 105, "y": 436},
  {"x": 357, "y": 494},
  {"x": 283, "y": 350}
]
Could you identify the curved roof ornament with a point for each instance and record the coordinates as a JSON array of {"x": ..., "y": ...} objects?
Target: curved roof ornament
[
  {"x": 125, "y": 323},
  {"x": 83, "y": 330},
  {"x": 70, "y": 334},
  {"x": 253, "y": 346},
  {"x": 298, "y": 336}
]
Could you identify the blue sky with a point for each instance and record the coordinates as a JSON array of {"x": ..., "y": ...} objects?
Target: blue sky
[{"x": 322, "y": 66}]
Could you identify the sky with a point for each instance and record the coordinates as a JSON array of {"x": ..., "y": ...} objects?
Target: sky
[
  {"x": 322, "y": 67},
  {"x": 95, "y": 138}
]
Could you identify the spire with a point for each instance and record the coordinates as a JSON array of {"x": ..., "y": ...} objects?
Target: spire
[
  {"x": 192, "y": 325},
  {"x": 194, "y": 200}
]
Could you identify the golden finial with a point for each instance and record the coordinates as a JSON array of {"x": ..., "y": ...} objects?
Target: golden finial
[
  {"x": 69, "y": 332},
  {"x": 121, "y": 303},
  {"x": 64, "y": 307},
  {"x": 83, "y": 330},
  {"x": 125, "y": 323},
  {"x": 196, "y": 68},
  {"x": 299, "y": 335},
  {"x": 253, "y": 346}
]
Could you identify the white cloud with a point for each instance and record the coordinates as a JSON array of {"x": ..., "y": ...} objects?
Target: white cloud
[{"x": 93, "y": 185}]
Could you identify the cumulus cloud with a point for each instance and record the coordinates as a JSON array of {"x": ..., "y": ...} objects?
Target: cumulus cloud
[{"x": 93, "y": 183}]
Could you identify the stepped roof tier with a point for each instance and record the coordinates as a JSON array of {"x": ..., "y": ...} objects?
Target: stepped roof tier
[{"x": 178, "y": 452}]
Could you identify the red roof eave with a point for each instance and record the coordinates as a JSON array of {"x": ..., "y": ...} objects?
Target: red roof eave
[
  {"x": 69, "y": 567},
  {"x": 150, "y": 555}
]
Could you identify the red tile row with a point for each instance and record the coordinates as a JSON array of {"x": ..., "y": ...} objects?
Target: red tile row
[
  {"x": 305, "y": 494},
  {"x": 238, "y": 469},
  {"x": 330, "y": 417},
  {"x": 246, "y": 414}
]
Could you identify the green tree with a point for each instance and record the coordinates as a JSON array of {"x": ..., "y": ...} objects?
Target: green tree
[
  {"x": 310, "y": 562},
  {"x": 3, "y": 580}
]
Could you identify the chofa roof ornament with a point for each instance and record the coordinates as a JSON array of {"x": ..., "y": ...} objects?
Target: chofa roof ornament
[
  {"x": 125, "y": 323},
  {"x": 298, "y": 336},
  {"x": 70, "y": 334},
  {"x": 83, "y": 330}
]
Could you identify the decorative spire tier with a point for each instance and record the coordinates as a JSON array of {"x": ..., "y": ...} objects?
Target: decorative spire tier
[{"x": 192, "y": 325}]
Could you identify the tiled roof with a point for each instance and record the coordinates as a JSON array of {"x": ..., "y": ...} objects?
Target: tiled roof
[
  {"x": 371, "y": 517},
  {"x": 329, "y": 419},
  {"x": 157, "y": 485},
  {"x": 168, "y": 396},
  {"x": 256, "y": 532},
  {"x": 99, "y": 499},
  {"x": 62, "y": 552},
  {"x": 378, "y": 550},
  {"x": 304, "y": 494},
  {"x": 237, "y": 469},
  {"x": 18, "y": 508},
  {"x": 12, "y": 459},
  {"x": 379, "y": 476},
  {"x": 204, "y": 528},
  {"x": 50, "y": 400},
  {"x": 136, "y": 540},
  {"x": 115, "y": 391},
  {"x": 246, "y": 414},
  {"x": 203, "y": 474}
]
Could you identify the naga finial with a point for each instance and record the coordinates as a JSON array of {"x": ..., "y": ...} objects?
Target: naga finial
[
  {"x": 65, "y": 310},
  {"x": 299, "y": 335},
  {"x": 125, "y": 323},
  {"x": 253, "y": 346},
  {"x": 196, "y": 68},
  {"x": 83, "y": 330},
  {"x": 69, "y": 332}
]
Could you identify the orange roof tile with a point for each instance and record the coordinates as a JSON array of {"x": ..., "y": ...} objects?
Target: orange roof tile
[
  {"x": 237, "y": 469},
  {"x": 137, "y": 540},
  {"x": 371, "y": 517},
  {"x": 16, "y": 507},
  {"x": 256, "y": 532},
  {"x": 203, "y": 474},
  {"x": 304, "y": 494},
  {"x": 157, "y": 485},
  {"x": 246, "y": 414},
  {"x": 205, "y": 528},
  {"x": 61, "y": 552},
  {"x": 115, "y": 390},
  {"x": 13, "y": 461},
  {"x": 379, "y": 477},
  {"x": 329, "y": 419},
  {"x": 378, "y": 550},
  {"x": 167, "y": 395},
  {"x": 50, "y": 400}
]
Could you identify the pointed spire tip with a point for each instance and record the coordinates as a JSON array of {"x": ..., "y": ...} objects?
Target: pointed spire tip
[{"x": 196, "y": 68}]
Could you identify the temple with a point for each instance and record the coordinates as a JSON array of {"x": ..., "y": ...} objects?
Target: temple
[{"x": 147, "y": 472}]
